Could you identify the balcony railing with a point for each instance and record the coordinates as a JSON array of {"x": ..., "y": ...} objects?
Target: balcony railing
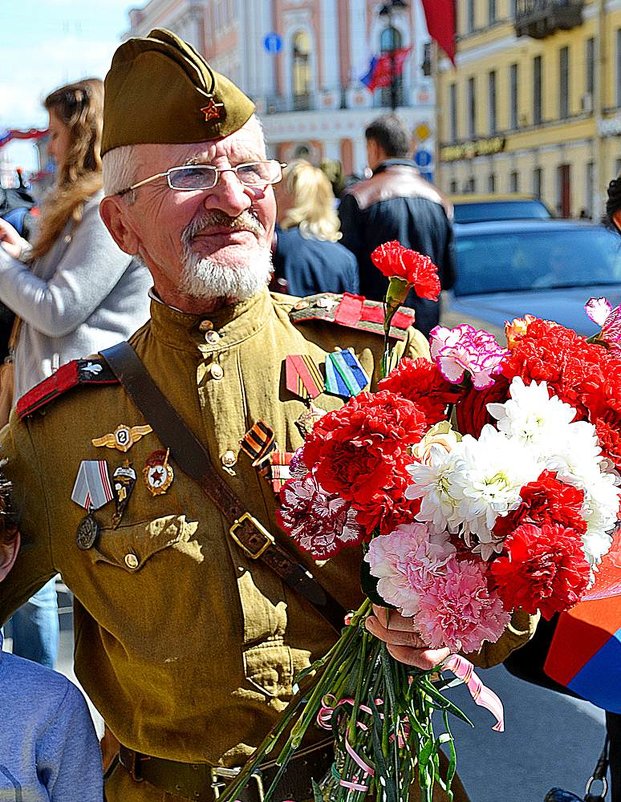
[{"x": 541, "y": 18}]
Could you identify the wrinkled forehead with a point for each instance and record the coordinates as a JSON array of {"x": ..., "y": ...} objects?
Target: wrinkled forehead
[{"x": 245, "y": 144}]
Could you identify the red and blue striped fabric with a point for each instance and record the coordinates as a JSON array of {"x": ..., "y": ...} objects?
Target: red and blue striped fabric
[{"x": 585, "y": 653}]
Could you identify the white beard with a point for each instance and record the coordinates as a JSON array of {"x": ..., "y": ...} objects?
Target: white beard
[{"x": 207, "y": 279}]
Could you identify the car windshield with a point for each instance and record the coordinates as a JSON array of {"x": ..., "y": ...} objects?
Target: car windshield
[
  {"x": 536, "y": 260},
  {"x": 479, "y": 212}
]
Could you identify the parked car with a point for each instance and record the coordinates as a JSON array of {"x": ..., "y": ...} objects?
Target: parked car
[
  {"x": 544, "y": 268},
  {"x": 479, "y": 208}
]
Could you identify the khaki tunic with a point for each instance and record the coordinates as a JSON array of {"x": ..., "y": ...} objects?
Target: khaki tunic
[{"x": 186, "y": 647}]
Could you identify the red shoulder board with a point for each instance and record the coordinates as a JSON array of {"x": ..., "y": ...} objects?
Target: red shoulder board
[
  {"x": 353, "y": 311},
  {"x": 78, "y": 371}
]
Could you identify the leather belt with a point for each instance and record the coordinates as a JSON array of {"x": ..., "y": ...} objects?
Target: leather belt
[{"x": 202, "y": 783}]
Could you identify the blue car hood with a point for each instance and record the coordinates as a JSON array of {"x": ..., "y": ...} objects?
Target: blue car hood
[{"x": 564, "y": 305}]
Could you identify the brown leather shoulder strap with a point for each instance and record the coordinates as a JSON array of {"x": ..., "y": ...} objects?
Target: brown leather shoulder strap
[{"x": 193, "y": 459}]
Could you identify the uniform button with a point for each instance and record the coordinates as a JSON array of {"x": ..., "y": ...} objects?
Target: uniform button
[
  {"x": 212, "y": 337},
  {"x": 215, "y": 371},
  {"x": 131, "y": 561},
  {"x": 205, "y": 325},
  {"x": 229, "y": 459}
]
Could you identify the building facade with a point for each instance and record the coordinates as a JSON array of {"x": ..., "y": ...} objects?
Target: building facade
[
  {"x": 534, "y": 104},
  {"x": 302, "y": 62}
]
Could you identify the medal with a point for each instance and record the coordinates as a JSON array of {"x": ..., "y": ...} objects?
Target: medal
[
  {"x": 87, "y": 532},
  {"x": 123, "y": 481},
  {"x": 91, "y": 490},
  {"x": 303, "y": 377},
  {"x": 123, "y": 437},
  {"x": 345, "y": 375},
  {"x": 279, "y": 469},
  {"x": 308, "y": 418},
  {"x": 158, "y": 473}
]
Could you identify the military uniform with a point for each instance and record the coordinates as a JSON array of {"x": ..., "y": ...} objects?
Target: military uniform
[{"x": 186, "y": 647}]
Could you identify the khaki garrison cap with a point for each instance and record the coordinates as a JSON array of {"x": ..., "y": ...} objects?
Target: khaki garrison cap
[{"x": 160, "y": 90}]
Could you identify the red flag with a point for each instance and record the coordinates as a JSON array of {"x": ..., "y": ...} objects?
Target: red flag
[
  {"x": 379, "y": 75},
  {"x": 440, "y": 16}
]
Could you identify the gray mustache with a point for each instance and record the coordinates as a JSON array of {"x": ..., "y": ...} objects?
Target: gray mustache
[{"x": 243, "y": 222}]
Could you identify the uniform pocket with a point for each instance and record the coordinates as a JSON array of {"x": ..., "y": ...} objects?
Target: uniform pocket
[
  {"x": 130, "y": 547},
  {"x": 269, "y": 667}
]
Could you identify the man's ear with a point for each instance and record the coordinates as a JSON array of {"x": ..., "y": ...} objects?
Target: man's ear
[
  {"x": 113, "y": 212},
  {"x": 8, "y": 555}
]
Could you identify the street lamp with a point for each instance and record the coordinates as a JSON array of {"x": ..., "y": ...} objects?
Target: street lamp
[{"x": 387, "y": 10}]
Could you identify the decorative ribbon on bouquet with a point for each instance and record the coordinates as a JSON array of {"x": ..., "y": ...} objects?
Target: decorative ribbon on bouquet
[{"x": 481, "y": 694}]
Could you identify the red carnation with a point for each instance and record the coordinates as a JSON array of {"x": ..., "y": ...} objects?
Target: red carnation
[
  {"x": 422, "y": 382},
  {"x": 547, "y": 500},
  {"x": 471, "y": 411},
  {"x": 393, "y": 260},
  {"x": 356, "y": 449},
  {"x": 541, "y": 568}
]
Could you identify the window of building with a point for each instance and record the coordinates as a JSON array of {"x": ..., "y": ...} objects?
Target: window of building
[
  {"x": 453, "y": 187},
  {"x": 563, "y": 71},
  {"x": 301, "y": 71},
  {"x": 491, "y": 11},
  {"x": 452, "y": 112},
  {"x": 514, "y": 83},
  {"x": 514, "y": 181},
  {"x": 472, "y": 108},
  {"x": 587, "y": 209},
  {"x": 491, "y": 183},
  {"x": 537, "y": 181},
  {"x": 491, "y": 101},
  {"x": 589, "y": 57},
  {"x": 470, "y": 185},
  {"x": 537, "y": 90},
  {"x": 469, "y": 16},
  {"x": 563, "y": 190},
  {"x": 390, "y": 39}
]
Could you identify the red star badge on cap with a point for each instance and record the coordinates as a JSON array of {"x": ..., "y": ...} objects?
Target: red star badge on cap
[{"x": 212, "y": 110}]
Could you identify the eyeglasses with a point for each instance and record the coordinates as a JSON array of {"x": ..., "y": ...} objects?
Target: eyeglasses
[{"x": 191, "y": 177}]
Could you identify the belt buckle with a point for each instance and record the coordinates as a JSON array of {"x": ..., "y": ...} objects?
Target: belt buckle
[
  {"x": 259, "y": 528},
  {"x": 220, "y": 776}
]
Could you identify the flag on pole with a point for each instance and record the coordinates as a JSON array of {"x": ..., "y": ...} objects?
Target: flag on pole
[
  {"x": 379, "y": 74},
  {"x": 440, "y": 16}
]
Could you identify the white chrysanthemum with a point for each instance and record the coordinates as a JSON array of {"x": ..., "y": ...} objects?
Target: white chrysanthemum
[
  {"x": 600, "y": 509},
  {"x": 531, "y": 415},
  {"x": 577, "y": 456},
  {"x": 432, "y": 483},
  {"x": 488, "y": 475}
]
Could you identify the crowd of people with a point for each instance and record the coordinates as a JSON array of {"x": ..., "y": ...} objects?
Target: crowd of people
[{"x": 166, "y": 224}]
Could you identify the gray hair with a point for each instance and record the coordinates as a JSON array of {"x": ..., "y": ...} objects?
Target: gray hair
[{"x": 119, "y": 170}]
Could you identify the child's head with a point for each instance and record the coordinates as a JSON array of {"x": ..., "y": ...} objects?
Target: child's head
[{"x": 9, "y": 534}]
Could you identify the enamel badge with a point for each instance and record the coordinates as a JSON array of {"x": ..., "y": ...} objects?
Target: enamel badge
[
  {"x": 122, "y": 438},
  {"x": 212, "y": 109},
  {"x": 123, "y": 481},
  {"x": 157, "y": 473}
]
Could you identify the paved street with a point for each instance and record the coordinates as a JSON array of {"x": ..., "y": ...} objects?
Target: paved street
[{"x": 549, "y": 739}]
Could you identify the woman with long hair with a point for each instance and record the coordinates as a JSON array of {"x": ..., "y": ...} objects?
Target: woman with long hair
[
  {"x": 307, "y": 256},
  {"x": 74, "y": 291}
]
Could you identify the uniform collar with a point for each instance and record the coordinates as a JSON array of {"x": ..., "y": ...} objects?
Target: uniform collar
[{"x": 234, "y": 323}]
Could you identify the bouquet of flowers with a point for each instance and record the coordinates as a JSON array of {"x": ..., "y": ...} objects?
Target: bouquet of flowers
[{"x": 513, "y": 507}]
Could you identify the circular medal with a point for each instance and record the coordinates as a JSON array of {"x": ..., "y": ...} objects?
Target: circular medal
[{"x": 88, "y": 530}]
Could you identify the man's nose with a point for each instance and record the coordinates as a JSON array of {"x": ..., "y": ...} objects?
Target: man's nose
[{"x": 229, "y": 195}]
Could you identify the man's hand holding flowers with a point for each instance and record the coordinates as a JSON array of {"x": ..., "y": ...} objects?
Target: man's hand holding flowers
[{"x": 402, "y": 639}]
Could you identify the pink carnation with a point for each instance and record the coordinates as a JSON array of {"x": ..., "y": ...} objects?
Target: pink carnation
[
  {"x": 321, "y": 523},
  {"x": 465, "y": 349},
  {"x": 608, "y": 319},
  {"x": 458, "y": 610},
  {"x": 405, "y": 561}
]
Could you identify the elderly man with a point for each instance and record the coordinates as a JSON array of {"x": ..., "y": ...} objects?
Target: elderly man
[{"x": 188, "y": 629}]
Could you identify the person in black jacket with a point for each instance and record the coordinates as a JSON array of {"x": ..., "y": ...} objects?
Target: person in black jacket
[{"x": 396, "y": 203}]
